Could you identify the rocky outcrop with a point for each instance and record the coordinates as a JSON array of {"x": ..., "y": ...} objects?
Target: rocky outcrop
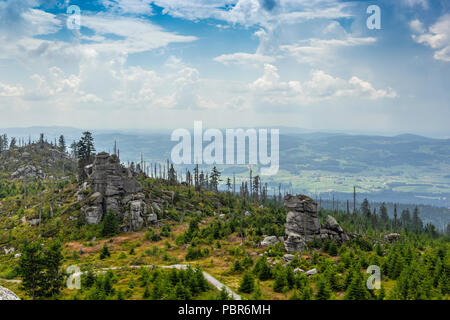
[
  {"x": 134, "y": 218},
  {"x": 311, "y": 272},
  {"x": 6, "y": 294},
  {"x": 114, "y": 188},
  {"x": 9, "y": 250},
  {"x": 392, "y": 237},
  {"x": 270, "y": 241},
  {"x": 288, "y": 257},
  {"x": 28, "y": 171},
  {"x": 303, "y": 224},
  {"x": 36, "y": 161},
  {"x": 333, "y": 231}
]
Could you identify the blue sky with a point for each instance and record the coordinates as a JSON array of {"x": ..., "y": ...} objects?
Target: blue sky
[{"x": 163, "y": 64}]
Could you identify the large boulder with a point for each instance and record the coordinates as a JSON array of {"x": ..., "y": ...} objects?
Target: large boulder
[
  {"x": 6, "y": 294},
  {"x": 269, "y": 241},
  {"x": 332, "y": 224},
  {"x": 152, "y": 217},
  {"x": 311, "y": 272},
  {"x": 303, "y": 224},
  {"x": 392, "y": 237},
  {"x": 134, "y": 219}
]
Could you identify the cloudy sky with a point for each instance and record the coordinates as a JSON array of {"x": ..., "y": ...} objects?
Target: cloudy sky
[{"x": 163, "y": 64}]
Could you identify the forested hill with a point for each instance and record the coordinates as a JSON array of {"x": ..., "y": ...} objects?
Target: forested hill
[
  {"x": 35, "y": 160},
  {"x": 404, "y": 168},
  {"x": 123, "y": 228}
]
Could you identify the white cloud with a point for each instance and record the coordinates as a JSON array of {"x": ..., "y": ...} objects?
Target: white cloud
[
  {"x": 417, "y": 26},
  {"x": 321, "y": 86},
  {"x": 52, "y": 85},
  {"x": 361, "y": 88},
  {"x": 437, "y": 37},
  {"x": 412, "y": 3},
  {"x": 129, "y": 6},
  {"x": 132, "y": 34},
  {"x": 245, "y": 59},
  {"x": 40, "y": 22},
  {"x": 112, "y": 34},
  {"x": 317, "y": 50},
  {"x": 10, "y": 91},
  {"x": 89, "y": 98},
  {"x": 254, "y": 12}
]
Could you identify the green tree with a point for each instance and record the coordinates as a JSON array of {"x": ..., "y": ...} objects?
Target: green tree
[
  {"x": 405, "y": 219},
  {"x": 105, "y": 252},
  {"x": 356, "y": 290},
  {"x": 62, "y": 144},
  {"x": 280, "y": 282},
  {"x": 146, "y": 293},
  {"x": 53, "y": 277},
  {"x": 13, "y": 143},
  {"x": 110, "y": 224},
  {"x": 223, "y": 294},
  {"x": 262, "y": 269},
  {"x": 214, "y": 179},
  {"x": 181, "y": 292},
  {"x": 257, "y": 294},
  {"x": 417, "y": 223},
  {"x": 384, "y": 217},
  {"x": 323, "y": 290},
  {"x": 85, "y": 147},
  {"x": 247, "y": 284},
  {"x": 306, "y": 293},
  {"x": 40, "y": 269},
  {"x": 382, "y": 293},
  {"x": 30, "y": 268},
  {"x": 365, "y": 208},
  {"x": 333, "y": 249}
]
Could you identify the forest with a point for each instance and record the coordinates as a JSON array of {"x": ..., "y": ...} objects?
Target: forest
[{"x": 44, "y": 232}]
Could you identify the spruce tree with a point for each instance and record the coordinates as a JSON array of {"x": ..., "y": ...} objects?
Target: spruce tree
[
  {"x": 105, "y": 252},
  {"x": 30, "y": 268},
  {"x": 110, "y": 224},
  {"x": 62, "y": 144},
  {"x": 40, "y": 269},
  {"x": 85, "y": 147},
  {"x": 280, "y": 282},
  {"x": 356, "y": 290},
  {"x": 323, "y": 290},
  {"x": 247, "y": 284}
]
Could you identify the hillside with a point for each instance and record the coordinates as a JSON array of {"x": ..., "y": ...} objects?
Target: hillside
[
  {"x": 123, "y": 228},
  {"x": 36, "y": 160},
  {"x": 406, "y": 168}
]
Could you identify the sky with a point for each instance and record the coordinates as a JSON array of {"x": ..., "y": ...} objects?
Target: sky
[{"x": 151, "y": 64}]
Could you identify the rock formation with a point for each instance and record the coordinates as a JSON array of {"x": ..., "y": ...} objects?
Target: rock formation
[
  {"x": 270, "y": 240},
  {"x": 303, "y": 224},
  {"x": 114, "y": 188},
  {"x": 6, "y": 294},
  {"x": 28, "y": 171},
  {"x": 392, "y": 237}
]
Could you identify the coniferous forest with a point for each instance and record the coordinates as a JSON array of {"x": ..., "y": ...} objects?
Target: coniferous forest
[{"x": 187, "y": 230}]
